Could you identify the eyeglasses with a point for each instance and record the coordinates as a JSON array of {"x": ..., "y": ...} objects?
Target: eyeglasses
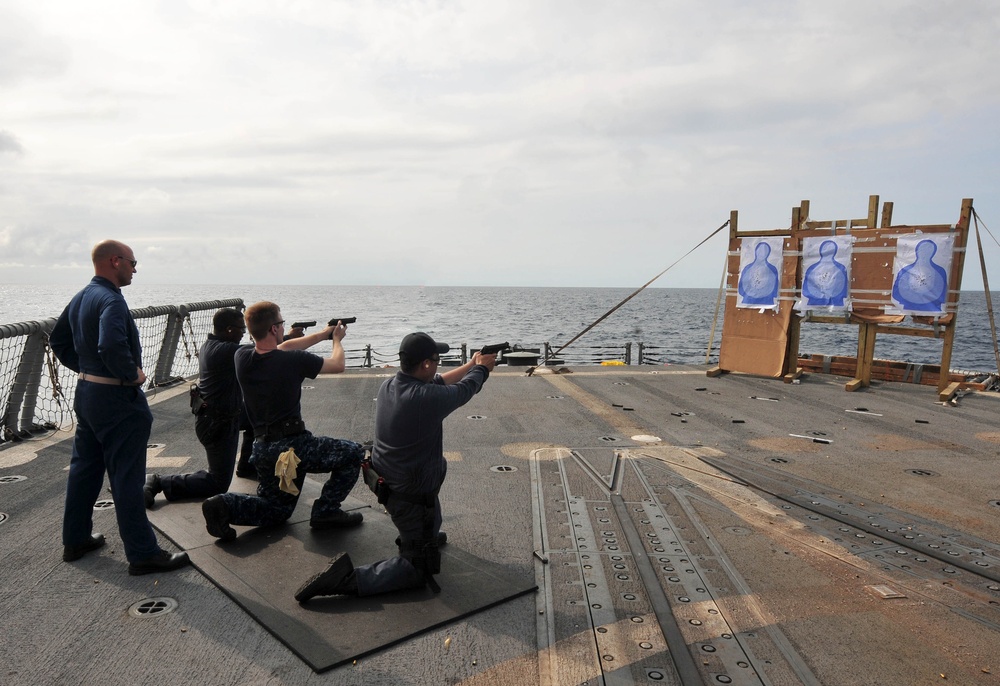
[
  {"x": 132, "y": 262},
  {"x": 279, "y": 323}
]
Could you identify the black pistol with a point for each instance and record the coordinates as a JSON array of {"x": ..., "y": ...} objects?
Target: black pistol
[
  {"x": 303, "y": 325},
  {"x": 342, "y": 320},
  {"x": 495, "y": 348}
]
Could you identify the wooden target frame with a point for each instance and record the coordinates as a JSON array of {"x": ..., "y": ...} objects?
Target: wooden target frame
[{"x": 767, "y": 343}]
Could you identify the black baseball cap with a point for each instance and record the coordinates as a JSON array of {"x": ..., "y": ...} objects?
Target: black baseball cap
[{"x": 417, "y": 347}]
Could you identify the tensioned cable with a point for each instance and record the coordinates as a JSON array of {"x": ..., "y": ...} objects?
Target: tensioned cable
[
  {"x": 986, "y": 285},
  {"x": 718, "y": 305},
  {"x": 613, "y": 309}
]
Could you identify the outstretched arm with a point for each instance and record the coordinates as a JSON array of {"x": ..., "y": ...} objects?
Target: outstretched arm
[
  {"x": 336, "y": 362},
  {"x": 455, "y": 375}
]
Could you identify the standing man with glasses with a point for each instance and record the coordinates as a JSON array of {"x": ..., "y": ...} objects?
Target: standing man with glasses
[
  {"x": 270, "y": 374},
  {"x": 96, "y": 337},
  {"x": 218, "y": 404},
  {"x": 408, "y": 455}
]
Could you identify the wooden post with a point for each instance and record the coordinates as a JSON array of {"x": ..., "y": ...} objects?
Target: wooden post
[
  {"x": 872, "y": 211},
  {"x": 862, "y": 372},
  {"x": 886, "y": 214},
  {"x": 794, "y": 324},
  {"x": 866, "y": 332},
  {"x": 945, "y": 388}
]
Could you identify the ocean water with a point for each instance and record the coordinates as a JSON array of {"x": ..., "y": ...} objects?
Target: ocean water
[{"x": 674, "y": 324}]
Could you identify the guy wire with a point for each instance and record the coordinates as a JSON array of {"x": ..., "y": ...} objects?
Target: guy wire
[
  {"x": 607, "y": 314},
  {"x": 986, "y": 285}
]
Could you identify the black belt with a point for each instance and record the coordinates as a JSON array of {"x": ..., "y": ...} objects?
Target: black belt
[{"x": 283, "y": 429}]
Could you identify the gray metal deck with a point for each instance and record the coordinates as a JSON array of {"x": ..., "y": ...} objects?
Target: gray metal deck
[{"x": 861, "y": 550}]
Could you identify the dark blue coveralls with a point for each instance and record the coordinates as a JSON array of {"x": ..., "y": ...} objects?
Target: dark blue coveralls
[{"x": 96, "y": 335}]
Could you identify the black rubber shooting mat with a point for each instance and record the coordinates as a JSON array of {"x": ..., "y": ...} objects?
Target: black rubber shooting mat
[{"x": 263, "y": 567}]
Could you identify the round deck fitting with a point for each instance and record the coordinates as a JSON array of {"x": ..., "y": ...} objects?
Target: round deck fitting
[{"x": 153, "y": 607}]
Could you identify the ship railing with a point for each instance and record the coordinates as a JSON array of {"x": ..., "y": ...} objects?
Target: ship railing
[
  {"x": 36, "y": 391},
  {"x": 627, "y": 353}
]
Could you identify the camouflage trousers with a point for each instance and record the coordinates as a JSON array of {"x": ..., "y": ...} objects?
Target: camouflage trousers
[{"x": 318, "y": 454}]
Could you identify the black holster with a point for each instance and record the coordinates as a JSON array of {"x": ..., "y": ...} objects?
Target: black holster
[
  {"x": 198, "y": 404},
  {"x": 375, "y": 483}
]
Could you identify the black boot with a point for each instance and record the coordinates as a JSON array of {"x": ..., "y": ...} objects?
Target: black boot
[
  {"x": 217, "y": 520},
  {"x": 150, "y": 490},
  {"x": 337, "y": 579}
]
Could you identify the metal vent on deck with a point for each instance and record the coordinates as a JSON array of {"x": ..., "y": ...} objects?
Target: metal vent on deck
[{"x": 153, "y": 607}]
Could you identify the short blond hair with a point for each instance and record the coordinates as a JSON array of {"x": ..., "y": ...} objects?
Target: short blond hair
[{"x": 260, "y": 317}]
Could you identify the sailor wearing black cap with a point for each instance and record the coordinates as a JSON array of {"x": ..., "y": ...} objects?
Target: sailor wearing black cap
[{"x": 408, "y": 455}]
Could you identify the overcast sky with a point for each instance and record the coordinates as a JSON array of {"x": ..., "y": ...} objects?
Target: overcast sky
[{"x": 535, "y": 143}]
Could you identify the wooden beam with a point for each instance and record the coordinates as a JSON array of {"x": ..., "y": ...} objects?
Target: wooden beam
[
  {"x": 886, "y": 214},
  {"x": 866, "y": 353},
  {"x": 946, "y": 392},
  {"x": 954, "y": 286},
  {"x": 872, "y": 211},
  {"x": 792, "y": 376},
  {"x": 795, "y": 323},
  {"x": 765, "y": 232}
]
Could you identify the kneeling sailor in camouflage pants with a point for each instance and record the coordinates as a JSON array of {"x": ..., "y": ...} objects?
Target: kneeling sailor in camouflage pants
[
  {"x": 408, "y": 455},
  {"x": 271, "y": 379}
]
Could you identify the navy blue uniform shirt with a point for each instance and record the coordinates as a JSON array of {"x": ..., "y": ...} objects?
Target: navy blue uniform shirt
[
  {"x": 96, "y": 334},
  {"x": 217, "y": 376}
]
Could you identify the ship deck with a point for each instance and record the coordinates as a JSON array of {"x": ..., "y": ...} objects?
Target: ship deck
[{"x": 680, "y": 529}]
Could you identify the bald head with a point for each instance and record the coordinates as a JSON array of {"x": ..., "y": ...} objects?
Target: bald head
[{"x": 115, "y": 261}]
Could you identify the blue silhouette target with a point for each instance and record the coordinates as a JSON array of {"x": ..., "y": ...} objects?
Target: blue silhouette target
[
  {"x": 920, "y": 282},
  {"x": 760, "y": 275},
  {"x": 827, "y": 271}
]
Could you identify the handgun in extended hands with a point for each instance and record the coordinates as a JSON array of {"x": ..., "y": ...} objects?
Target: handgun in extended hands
[{"x": 495, "y": 348}]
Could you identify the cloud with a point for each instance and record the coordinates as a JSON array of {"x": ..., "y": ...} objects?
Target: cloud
[
  {"x": 27, "y": 53},
  {"x": 43, "y": 247},
  {"x": 9, "y": 145},
  {"x": 588, "y": 142}
]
